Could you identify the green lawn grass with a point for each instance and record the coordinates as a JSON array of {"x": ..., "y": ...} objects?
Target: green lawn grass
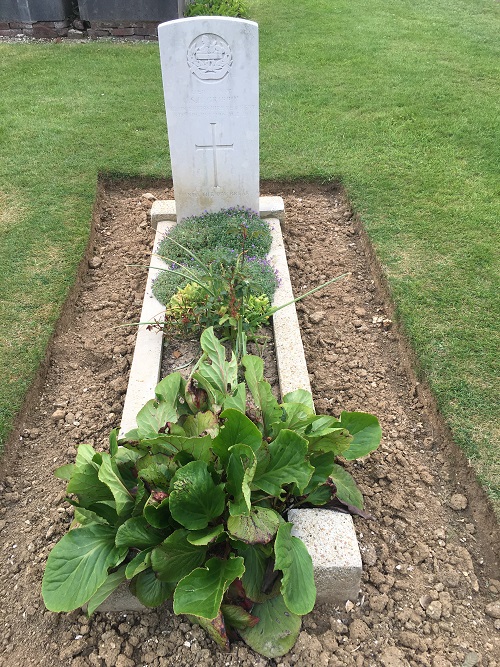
[{"x": 398, "y": 100}]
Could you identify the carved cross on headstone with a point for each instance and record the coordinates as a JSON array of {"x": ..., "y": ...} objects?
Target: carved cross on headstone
[
  {"x": 213, "y": 147},
  {"x": 210, "y": 70}
]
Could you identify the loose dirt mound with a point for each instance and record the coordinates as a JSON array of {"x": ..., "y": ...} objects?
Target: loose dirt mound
[{"x": 429, "y": 595}]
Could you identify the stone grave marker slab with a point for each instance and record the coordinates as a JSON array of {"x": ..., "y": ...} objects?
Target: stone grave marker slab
[{"x": 210, "y": 71}]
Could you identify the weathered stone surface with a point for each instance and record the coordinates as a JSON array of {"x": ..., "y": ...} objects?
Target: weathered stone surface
[
  {"x": 211, "y": 87},
  {"x": 458, "y": 502},
  {"x": 493, "y": 609},
  {"x": 331, "y": 540}
]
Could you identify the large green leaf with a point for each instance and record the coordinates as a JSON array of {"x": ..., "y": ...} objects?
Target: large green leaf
[
  {"x": 149, "y": 590},
  {"x": 170, "y": 388},
  {"x": 137, "y": 533},
  {"x": 200, "y": 592},
  {"x": 337, "y": 441},
  {"x": 141, "y": 497},
  {"x": 296, "y": 417},
  {"x": 198, "y": 447},
  {"x": 176, "y": 557},
  {"x": 85, "y": 454},
  {"x": 153, "y": 417},
  {"x": 300, "y": 396},
  {"x": 110, "y": 475},
  {"x": 125, "y": 456},
  {"x": 157, "y": 513},
  {"x": 113, "y": 442},
  {"x": 261, "y": 392},
  {"x": 215, "y": 397},
  {"x": 85, "y": 484},
  {"x": 366, "y": 432},
  {"x": 195, "y": 499},
  {"x": 206, "y": 535},
  {"x": 326, "y": 434},
  {"x": 110, "y": 585},
  {"x": 238, "y": 429},
  {"x": 106, "y": 509},
  {"x": 160, "y": 444},
  {"x": 201, "y": 423},
  {"x": 222, "y": 374},
  {"x": 288, "y": 463},
  {"x": 322, "y": 425},
  {"x": 65, "y": 472},
  {"x": 347, "y": 491},
  {"x": 258, "y": 527},
  {"x": 139, "y": 563},
  {"x": 293, "y": 559},
  {"x": 254, "y": 370},
  {"x": 78, "y": 565},
  {"x": 320, "y": 496},
  {"x": 85, "y": 517},
  {"x": 323, "y": 465},
  {"x": 154, "y": 472},
  {"x": 238, "y": 399},
  {"x": 257, "y": 559},
  {"x": 240, "y": 471},
  {"x": 277, "y": 629}
]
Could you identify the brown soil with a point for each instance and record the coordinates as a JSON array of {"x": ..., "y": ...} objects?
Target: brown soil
[{"x": 430, "y": 593}]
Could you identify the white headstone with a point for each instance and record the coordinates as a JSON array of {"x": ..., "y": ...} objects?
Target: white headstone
[{"x": 210, "y": 70}]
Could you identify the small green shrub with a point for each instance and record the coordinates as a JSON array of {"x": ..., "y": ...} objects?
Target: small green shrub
[
  {"x": 218, "y": 240},
  {"x": 232, "y": 228},
  {"x": 236, "y": 8}
]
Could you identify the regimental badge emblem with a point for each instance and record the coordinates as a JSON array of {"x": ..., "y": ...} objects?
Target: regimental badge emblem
[{"x": 209, "y": 57}]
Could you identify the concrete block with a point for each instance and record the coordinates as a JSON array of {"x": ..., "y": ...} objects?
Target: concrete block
[
  {"x": 146, "y": 362},
  {"x": 291, "y": 361},
  {"x": 165, "y": 209},
  {"x": 331, "y": 540},
  {"x": 272, "y": 207}
]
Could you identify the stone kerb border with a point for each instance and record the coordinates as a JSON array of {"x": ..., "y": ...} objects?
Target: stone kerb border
[{"x": 329, "y": 536}]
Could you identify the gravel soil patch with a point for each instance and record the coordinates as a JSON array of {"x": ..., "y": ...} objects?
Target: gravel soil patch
[{"x": 430, "y": 592}]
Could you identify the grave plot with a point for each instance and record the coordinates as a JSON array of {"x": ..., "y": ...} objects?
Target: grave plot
[
  {"x": 337, "y": 562},
  {"x": 419, "y": 548},
  {"x": 210, "y": 79}
]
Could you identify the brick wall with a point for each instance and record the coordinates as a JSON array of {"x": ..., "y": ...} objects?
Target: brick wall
[
  {"x": 39, "y": 29},
  {"x": 78, "y": 29},
  {"x": 126, "y": 30}
]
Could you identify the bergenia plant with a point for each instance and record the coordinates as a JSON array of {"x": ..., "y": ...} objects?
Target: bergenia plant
[{"x": 192, "y": 504}]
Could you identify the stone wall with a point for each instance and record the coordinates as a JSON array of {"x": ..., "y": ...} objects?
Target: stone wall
[
  {"x": 77, "y": 29},
  {"x": 38, "y": 29},
  {"x": 124, "y": 29}
]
